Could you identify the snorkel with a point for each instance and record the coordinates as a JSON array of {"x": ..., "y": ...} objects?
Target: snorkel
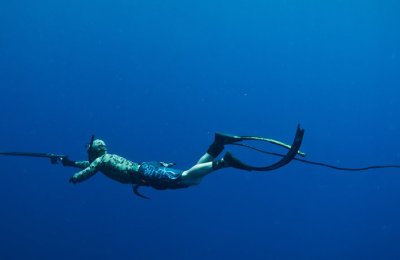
[{"x": 89, "y": 150}]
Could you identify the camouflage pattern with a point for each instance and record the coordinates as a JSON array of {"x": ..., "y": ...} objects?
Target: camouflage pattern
[
  {"x": 112, "y": 165},
  {"x": 82, "y": 164},
  {"x": 155, "y": 174}
]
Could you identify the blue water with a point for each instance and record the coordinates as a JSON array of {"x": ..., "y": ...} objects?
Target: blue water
[{"x": 155, "y": 80}]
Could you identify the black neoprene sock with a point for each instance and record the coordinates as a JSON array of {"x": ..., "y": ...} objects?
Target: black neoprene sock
[
  {"x": 219, "y": 164},
  {"x": 215, "y": 149}
]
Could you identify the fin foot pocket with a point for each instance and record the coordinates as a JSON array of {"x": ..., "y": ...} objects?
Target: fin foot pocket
[{"x": 226, "y": 138}]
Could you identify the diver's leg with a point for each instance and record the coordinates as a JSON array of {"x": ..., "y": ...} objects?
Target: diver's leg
[
  {"x": 206, "y": 158},
  {"x": 195, "y": 174},
  {"x": 213, "y": 151},
  {"x": 217, "y": 146},
  {"x": 207, "y": 162},
  {"x": 198, "y": 170}
]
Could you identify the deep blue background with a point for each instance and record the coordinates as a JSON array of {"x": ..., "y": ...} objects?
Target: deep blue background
[{"x": 155, "y": 80}]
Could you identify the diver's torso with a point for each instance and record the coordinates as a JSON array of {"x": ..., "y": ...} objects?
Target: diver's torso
[{"x": 118, "y": 168}]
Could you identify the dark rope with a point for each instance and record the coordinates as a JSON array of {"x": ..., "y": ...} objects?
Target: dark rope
[
  {"x": 135, "y": 189},
  {"x": 321, "y": 164},
  {"x": 89, "y": 151},
  {"x": 272, "y": 141}
]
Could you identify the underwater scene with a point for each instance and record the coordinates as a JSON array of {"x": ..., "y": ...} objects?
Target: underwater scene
[{"x": 196, "y": 130}]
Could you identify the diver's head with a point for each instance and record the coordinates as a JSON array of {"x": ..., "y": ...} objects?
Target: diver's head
[{"x": 98, "y": 149}]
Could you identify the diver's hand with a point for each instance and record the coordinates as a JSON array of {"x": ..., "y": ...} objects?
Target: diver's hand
[
  {"x": 66, "y": 161},
  {"x": 73, "y": 180},
  {"x": 167, "y": 165}
]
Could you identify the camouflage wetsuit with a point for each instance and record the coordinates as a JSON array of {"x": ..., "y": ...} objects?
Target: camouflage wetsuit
[{"x": 153, "y": 174}]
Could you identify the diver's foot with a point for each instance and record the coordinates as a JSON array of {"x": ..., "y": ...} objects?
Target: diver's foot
[
  {"x": 219, "y": 164},
  {"x": 229, "y": 160},
  {"x": 219, "y": 141},
  {"x": 223, "y": 139}
]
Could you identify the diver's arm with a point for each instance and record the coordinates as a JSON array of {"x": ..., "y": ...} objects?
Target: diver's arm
[
  {"x": 77, "y": 164},
  {"x": 82, "y": 164},
  {"x": 86, "y": 173}
]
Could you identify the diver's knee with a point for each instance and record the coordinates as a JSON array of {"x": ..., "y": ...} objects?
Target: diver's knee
[
  {"x": 185, "y": 174},
  {"x": 189, "y": 180}
]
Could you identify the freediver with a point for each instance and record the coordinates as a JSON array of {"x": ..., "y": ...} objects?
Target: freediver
[{"x": 160, "y": 175}]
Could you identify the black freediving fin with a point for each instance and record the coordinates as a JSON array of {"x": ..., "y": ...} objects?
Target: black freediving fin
[
  {"x": 256, "y": 138},
  {"x": 235, "y": 139},
  {"x": 236, "y": 163},
  {"x": 313, "y": 162},
  {"x": 135, "y": 190}
]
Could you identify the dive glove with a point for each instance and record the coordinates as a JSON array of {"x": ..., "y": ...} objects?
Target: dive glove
[{"x": 67, "y": 162}]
